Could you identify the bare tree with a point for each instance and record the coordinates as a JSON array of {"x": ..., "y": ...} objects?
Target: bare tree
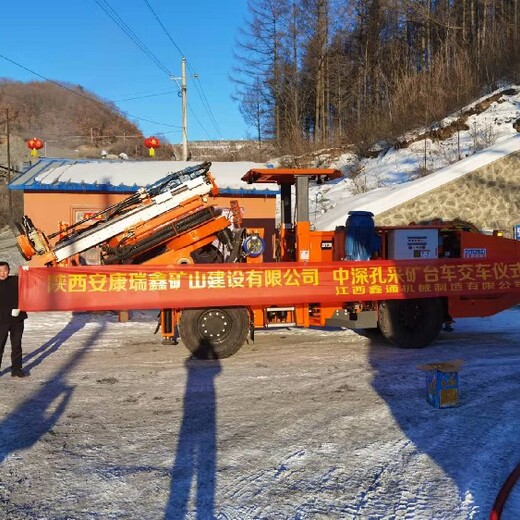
[
  {"x": 359, "y": 71},
  {"x": 255, "y": 109},
  {"x": 261, "y": 54}
]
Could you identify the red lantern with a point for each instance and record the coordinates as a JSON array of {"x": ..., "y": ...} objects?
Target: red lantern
[
  {"x": 152, "y": 143},
  {"x": 34, "y": 145}
]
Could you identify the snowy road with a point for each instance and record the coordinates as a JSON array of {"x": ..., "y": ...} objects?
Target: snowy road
[{"x": 301, "y": 425}]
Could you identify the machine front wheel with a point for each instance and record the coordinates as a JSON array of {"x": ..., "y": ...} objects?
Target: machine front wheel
[
  {"x": 214, "y": 333},
  {"x": 411, "y": 323}
]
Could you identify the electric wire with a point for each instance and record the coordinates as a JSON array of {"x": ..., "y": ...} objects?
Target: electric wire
[
  {"x": 162, "y": 26},
  {"x": 116, "y": 18},
  {"x": 198, "y": 121},
  {"x": 82, "y": 95},
  {"x": 198, "y": 83},
  {"x": 144, "y": 96},
  {"x": 198, "y": 86}
]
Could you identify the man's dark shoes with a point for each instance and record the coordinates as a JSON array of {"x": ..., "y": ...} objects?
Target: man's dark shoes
[{"x": 19, "y": 373}]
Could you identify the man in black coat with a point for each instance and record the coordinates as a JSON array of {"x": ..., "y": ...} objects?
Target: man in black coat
[{"x": 11, "y": 320}]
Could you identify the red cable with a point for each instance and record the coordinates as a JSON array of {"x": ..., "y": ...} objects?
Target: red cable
[{"x": 500, "y": 501}]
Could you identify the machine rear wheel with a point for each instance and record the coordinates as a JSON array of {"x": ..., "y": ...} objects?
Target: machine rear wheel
[
  {"x": 411, "y": 323},
  {"x": 215, "y": 333}
]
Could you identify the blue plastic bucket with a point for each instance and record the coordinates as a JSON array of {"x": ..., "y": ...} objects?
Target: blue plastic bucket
[{"x": 359, "y": 235}]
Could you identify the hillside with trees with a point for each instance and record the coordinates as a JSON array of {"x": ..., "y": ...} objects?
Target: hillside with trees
[
  {"x": 69, "y": 118},
  {"x": 321, "y": 73}
]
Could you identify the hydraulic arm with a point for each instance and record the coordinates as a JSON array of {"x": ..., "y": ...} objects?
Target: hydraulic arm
[{"x": 169, "y": 221}]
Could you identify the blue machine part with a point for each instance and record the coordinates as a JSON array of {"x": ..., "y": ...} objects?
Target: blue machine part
[
  {"x": 360, "y": 237},
  {"x": 253, "y": 245}
]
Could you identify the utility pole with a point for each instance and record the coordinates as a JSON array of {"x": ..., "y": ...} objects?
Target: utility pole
[
  {"x": 8, "y": 163},
  {"x": 184, "y": 115},
  {"x": 183, "y": 93}
]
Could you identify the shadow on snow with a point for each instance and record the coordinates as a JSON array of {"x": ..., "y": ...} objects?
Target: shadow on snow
[
  {"x": 33, "y": 418},
  {"x": 471, "y": 443},
  {"x": 195, "y": 459}
]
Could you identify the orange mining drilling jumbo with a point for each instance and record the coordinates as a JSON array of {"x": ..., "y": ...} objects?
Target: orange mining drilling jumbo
[{"x": 166, "y": 247}]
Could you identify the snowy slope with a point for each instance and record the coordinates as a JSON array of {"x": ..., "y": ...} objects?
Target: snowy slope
[
  {"x": 386, "y": 181},
  {"x": 385, "y": 198}
]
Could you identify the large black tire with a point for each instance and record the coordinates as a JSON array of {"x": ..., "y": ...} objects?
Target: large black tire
[
  {"x": 411, "y": 323},
  {"x": 215, "y": 333}
]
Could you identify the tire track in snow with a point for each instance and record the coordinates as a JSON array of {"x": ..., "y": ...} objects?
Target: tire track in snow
[
  {"x": 381, "y": 493},
  {"x": 253, "y": 495}
]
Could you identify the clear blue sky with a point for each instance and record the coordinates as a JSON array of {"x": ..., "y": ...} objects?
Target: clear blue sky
[{"x": 78, "y": 43}]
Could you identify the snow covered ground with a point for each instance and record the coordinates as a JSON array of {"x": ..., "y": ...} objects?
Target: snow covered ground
[
  {"x": 384, "y": 198},
  {"x": 302, "y": 424}
]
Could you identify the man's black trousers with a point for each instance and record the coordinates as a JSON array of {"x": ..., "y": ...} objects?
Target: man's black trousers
[{"x": 14, "y": 331}]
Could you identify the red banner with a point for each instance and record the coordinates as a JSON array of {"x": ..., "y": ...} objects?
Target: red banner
[{"x": 84, "y": 288}]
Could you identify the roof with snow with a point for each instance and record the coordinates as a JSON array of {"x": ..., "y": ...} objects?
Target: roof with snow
[{"x": 69, "y": 175}]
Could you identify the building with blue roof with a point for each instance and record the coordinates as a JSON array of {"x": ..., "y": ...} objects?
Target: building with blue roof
[{"x": 67, "y": 191}]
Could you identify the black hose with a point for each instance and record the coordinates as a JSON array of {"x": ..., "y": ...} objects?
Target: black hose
[{"x": 123, "y": 253}]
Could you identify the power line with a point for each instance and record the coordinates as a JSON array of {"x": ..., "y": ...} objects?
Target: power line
[
  {"x": 163, "y": 27},
  {"x": 80, "y": 94},
  {"x": 63, "y": 137},
  {"x": 198, "y": 121},
  {"x": 146, "y": 96},
  {"x": 199, "y": 88},
  {"x": 116, "y": 18},
  {"x": 112, "y": 13}
]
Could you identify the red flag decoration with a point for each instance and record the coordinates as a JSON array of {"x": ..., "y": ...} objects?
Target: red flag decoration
[
  {"x": 34, "y": 145},
  {"x": 152, "y": 143}
]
